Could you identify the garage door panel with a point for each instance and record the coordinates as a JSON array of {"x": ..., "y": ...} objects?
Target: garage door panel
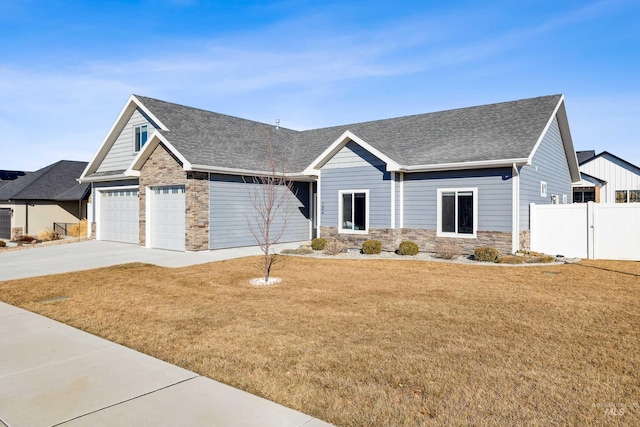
[
  {"x": 119, "y": 216},
  {"x": 5, "y": 223},
  {"x": 168, "y": 218}
]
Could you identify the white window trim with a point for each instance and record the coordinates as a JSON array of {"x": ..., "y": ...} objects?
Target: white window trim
[
  {"x": 367, "y": 215},
  {"x": 134, "y": 136},
  {"x": 439, "y": 232}
]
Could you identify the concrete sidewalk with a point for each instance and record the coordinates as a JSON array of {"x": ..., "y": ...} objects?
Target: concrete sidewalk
[
  {"x": 54, "y": 375},
  {"x": 91, "y": 254}
]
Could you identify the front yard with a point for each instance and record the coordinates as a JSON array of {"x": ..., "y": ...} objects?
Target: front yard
[{"x": 380, "y": 342}]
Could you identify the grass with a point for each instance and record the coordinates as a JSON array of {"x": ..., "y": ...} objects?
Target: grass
[{"x": 379, "y": 342}]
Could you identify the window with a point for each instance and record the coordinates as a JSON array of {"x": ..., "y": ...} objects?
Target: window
[
  {"x": 457, "y": 212},
  {"x": 354, "y": 208},
  {"x": 140, "y": 137},
  {"x": 543, "y": 189},
  {"x": 621, "y": 196},
  {"x": 630, "y": 196}
]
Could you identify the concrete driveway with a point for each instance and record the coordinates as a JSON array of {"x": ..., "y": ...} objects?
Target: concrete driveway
[
  {"x": 91, "y": 254},
  {"x": 54, "y": 375}
]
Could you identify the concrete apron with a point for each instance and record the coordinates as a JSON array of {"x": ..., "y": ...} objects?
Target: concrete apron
[{"x": 52, "y": 374}]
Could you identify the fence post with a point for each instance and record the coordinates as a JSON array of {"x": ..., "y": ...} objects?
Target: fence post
[
  {"x": 590, "y": 230},
  {"x": 532, "y": 226}
]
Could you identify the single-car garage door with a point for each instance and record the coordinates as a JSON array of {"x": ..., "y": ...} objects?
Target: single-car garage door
[
  {"x": 5, "y": 223},
  {"x": 168, "y": 218},
  {"x": 119, "y": 220}
]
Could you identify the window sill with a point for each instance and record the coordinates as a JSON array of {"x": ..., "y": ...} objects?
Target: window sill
[
  {"x": 457, "y": 235},
  {"x": 341, "y": 231}
]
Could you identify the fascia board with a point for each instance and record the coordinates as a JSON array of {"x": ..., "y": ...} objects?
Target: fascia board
[
  {"x": 144, "y": 154},
  {"x": 126, "y": 112},
  {"x": 248, "y": 172},
  {"x": 105, "y": 178},
  {"x": 465, "y": 165},
  {"x": 337, "y": 145}
]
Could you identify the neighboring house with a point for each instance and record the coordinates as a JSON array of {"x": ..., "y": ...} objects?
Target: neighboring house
[
  {"x": 174, "y": 177},
  {"x": 8, "y": 176},
  {"x": 34, "y": 201},
  {"x": 606, "y": 178}
]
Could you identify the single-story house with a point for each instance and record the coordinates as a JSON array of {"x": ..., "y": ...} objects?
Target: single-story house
[
  {"x": 32, "y": 202},
  {"x": 175, "y": 177},
  {"x": 606, "y": 178}
]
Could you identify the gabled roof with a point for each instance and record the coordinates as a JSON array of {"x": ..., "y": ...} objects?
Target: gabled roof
[
  {"x": 57, "y": 182},
  {"x": 482, "y": 136},
  {"x": 606, "y": 154}
]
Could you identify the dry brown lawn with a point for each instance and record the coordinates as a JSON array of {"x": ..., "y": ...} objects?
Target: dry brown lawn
[{"x": 380, "y": 342}]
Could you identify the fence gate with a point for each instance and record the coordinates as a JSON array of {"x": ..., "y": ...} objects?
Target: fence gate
[{"x": 587, "y": 230}]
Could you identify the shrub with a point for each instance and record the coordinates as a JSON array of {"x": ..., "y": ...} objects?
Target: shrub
[
  {"x": 48, "y": 235},
  {"x": 79, "y": 229},
  {"x": 447, "y": 250},
  {"x": 333, "y": 247},
  {"x": 318, "y": 243},
  {"x": 541, "y": 259},
  {"x": 371, "y": 247},
  {"x": 511, "y": 259},
  {"x": 304, "y": 250},
  {"x": 486, "y": 254},
  {"x": 408, "y": 248},
  {"x": 25, "y": 238},
  {"x": 3, "y": 243}
]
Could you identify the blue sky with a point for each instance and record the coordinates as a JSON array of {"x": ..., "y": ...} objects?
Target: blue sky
[{"x": 68, "y": 67}]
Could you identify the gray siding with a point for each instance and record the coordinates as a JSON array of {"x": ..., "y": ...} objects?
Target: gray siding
[
  {"x": 494, "y": 197},
  {"x": 231, "y": 212},
  {"x": 352, "y": 156},
  {"x": 549, "y": 164},
  {"x": 121, "y": 153},
  {"x": 358, "y": 170}
]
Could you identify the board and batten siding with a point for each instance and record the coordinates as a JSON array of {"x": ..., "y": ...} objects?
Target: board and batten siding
[
  {"x": 494, "y": 197},
  {"x": 122, "y": 152},
  {"x": 231, "y": 212},
  {"x": 354, "y": 168},
  {"x": 619, "y": 176},
  {"x": 549, "y": 164}
]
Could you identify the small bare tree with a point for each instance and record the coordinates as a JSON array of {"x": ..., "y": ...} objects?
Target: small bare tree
[{"x": 270, "y": 194}]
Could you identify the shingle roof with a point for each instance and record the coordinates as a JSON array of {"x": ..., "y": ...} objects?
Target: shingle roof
[
  {"x": 57, "y": 181},
  {"x": 507, "y": 130},
  {"x": 583, "y": 156}
]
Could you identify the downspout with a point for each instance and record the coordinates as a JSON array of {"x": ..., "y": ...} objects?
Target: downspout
[
  {"x": 515, "y": 210},
  {"x": 26, "y": 220}
]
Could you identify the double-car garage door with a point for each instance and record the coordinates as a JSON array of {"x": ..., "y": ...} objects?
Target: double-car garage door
[{"x": 119, "y": 217}]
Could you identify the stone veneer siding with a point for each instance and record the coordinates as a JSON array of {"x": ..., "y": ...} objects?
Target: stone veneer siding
[
  {"x": 426, "y": 239},
  {"x": 163, "y": 169}
]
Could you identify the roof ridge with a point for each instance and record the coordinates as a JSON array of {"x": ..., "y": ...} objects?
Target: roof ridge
[{"x": 175, "y": 104}]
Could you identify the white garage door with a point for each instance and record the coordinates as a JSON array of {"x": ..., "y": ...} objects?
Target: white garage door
[
  {"x": 168, "y": 218},
  {"x": 119, "y": 221}
]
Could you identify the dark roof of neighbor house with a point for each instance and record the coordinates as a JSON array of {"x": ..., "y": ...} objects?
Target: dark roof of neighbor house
[
  {"x": 583, "y": 156},
  {"x": 57, "y": 181},
  {"x": 7, "y": 176},
  {"x": 507, "y": 130}
]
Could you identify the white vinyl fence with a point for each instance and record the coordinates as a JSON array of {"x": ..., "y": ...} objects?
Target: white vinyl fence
[{"x": 587, "y": 230}]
